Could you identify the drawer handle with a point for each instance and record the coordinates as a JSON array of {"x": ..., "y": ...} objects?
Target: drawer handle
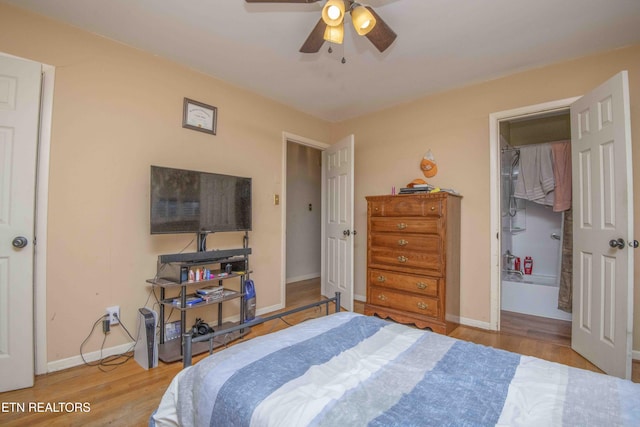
[
  {"x": 381, "y": 278},
  {"x": 403, "y": 258},
  {"x": 381, "y": 297},
  {"x": 402, "y": 226},
  {"x": 433, "y": 208},
  {"x": 422, "y": 306},
  {"x": 421, "y": 285},
  {"x": 402, "y": 242}
]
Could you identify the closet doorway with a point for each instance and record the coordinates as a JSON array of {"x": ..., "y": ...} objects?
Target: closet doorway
[
  {"x": 501, "y": 203},
  {"x": 536, "y": 239},
  {"x": 603, "y": 233}
]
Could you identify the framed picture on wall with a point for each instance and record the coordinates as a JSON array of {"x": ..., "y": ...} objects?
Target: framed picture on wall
[{"x": 199, "y": 116}]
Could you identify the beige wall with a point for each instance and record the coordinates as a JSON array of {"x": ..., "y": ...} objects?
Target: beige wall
[
  {"x": 455, "y": 126},
  {"x": 117, "y": 111}
]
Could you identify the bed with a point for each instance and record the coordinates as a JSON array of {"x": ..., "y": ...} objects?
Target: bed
[{"x": 348, "y": 369}]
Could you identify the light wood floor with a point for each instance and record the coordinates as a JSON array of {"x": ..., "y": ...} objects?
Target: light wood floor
[{"x": 127, "y": 395}]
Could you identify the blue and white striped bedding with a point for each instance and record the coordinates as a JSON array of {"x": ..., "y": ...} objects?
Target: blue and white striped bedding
[{"x": 347, "y": 370}]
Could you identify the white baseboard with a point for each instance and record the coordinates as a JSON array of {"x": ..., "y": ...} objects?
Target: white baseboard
[
  {"x": 361, "y": 298},
  {"x": 70, "y": 362},
  {"x": 635, "y": 355},
  {"x": 303, "y": 277},
  {"x": 269, "y": 309},
  {"x": 474, "y": 323}
]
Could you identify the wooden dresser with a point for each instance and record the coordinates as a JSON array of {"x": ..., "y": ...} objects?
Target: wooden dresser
[{"x": 413, "y": 259}]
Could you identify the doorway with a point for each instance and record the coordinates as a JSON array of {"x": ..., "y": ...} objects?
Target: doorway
[
  {"x": 536, "y": 265},
  {"x": 532, "y": 237},
  {"x": 602, "y": 197},
  {"x": 303, "y": 213},
  {"x": 302, "y": 206},
  {"x": 524, "y": 121},
  {"x": 336, "y": 210}
]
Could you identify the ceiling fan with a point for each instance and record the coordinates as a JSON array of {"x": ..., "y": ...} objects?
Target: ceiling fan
[{"x": 330, "y": 27}]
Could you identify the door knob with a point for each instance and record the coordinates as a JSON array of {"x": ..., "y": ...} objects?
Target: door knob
[
  {"x": 349, "y": 232},
  {"x": 19, "y": 242},
  {"x": 633, "y": 244},
  {"x": 617, "y": 243}
]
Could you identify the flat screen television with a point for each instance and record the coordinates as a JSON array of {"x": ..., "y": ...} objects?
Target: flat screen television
[{"x": 185, "y": 201}]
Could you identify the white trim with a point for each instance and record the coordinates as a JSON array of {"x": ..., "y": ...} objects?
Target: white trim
[
  {"x": 494, "y": 193},
  {"x": 475, "y": 323},
  {"x": 269, "y": 309},
  {"x": 287, "y": 136},
  {"x": 361, "y": 298},
  {"x": 73, "y": 361},
  {"x": 303, "y": 277},
  {"x": 635, "y": 355},
  {"x": 42, "y": 207}
]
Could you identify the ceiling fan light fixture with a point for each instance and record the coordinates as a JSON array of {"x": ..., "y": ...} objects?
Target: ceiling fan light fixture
[
  {"x": 334, "y": 34},
  {"x": 333, "y": 12},
  {"x": 363, "y": 20}
]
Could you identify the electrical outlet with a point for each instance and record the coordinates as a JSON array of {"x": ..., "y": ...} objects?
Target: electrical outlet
[{"x": 113, "y": 314}]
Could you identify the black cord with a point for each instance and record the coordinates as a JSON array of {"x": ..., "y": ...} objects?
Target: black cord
[
  {"x": 126, "y": 330},
  {"x": 112, "y": 361}
]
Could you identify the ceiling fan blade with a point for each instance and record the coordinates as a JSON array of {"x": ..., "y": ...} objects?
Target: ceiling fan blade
[
  {"x": 281, "y": 1},
  {"x": 382, "y": 35},
  {"x": 316, "y": 39}
]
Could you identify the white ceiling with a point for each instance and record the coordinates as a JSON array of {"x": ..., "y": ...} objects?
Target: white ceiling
[{"x": 441, "y": 44}]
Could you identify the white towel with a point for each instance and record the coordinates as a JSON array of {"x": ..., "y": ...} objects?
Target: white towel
[{"x": 535, "y": 181}]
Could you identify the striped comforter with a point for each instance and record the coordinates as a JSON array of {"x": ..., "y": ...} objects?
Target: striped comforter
[{"x": 347, "y": 370}]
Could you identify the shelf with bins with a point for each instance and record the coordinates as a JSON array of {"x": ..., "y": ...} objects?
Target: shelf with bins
[{"x": 174, "y": 276}]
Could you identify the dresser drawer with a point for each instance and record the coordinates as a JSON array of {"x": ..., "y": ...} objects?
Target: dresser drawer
[
  {"x": 407, "y": 242},
  {"x": 404, "y": 282},
  {"x": 386, "y": 297},
  {"x": 428, "y": 262},
  {"x": 405, "y": 225},
  {"x": 406, "y": 206}
]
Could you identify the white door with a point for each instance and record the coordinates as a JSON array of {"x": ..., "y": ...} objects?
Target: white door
[
  {"x": 19, "y": 110},
  {"x": 603, "y": 213},
  {"x": 337, "y": 218}
]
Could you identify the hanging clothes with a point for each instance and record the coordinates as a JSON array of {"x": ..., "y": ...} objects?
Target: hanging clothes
[
  {"x": 562, "y": 174},
  {"x": 536, "y": 181}
]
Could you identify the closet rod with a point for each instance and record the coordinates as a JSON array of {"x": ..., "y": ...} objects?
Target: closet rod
[
  {"x": 510, "y": 148},
  {"x": 503, "y": 149}
]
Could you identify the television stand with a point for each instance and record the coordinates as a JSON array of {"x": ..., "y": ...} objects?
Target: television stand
[{"x": 173, "y": 275}]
